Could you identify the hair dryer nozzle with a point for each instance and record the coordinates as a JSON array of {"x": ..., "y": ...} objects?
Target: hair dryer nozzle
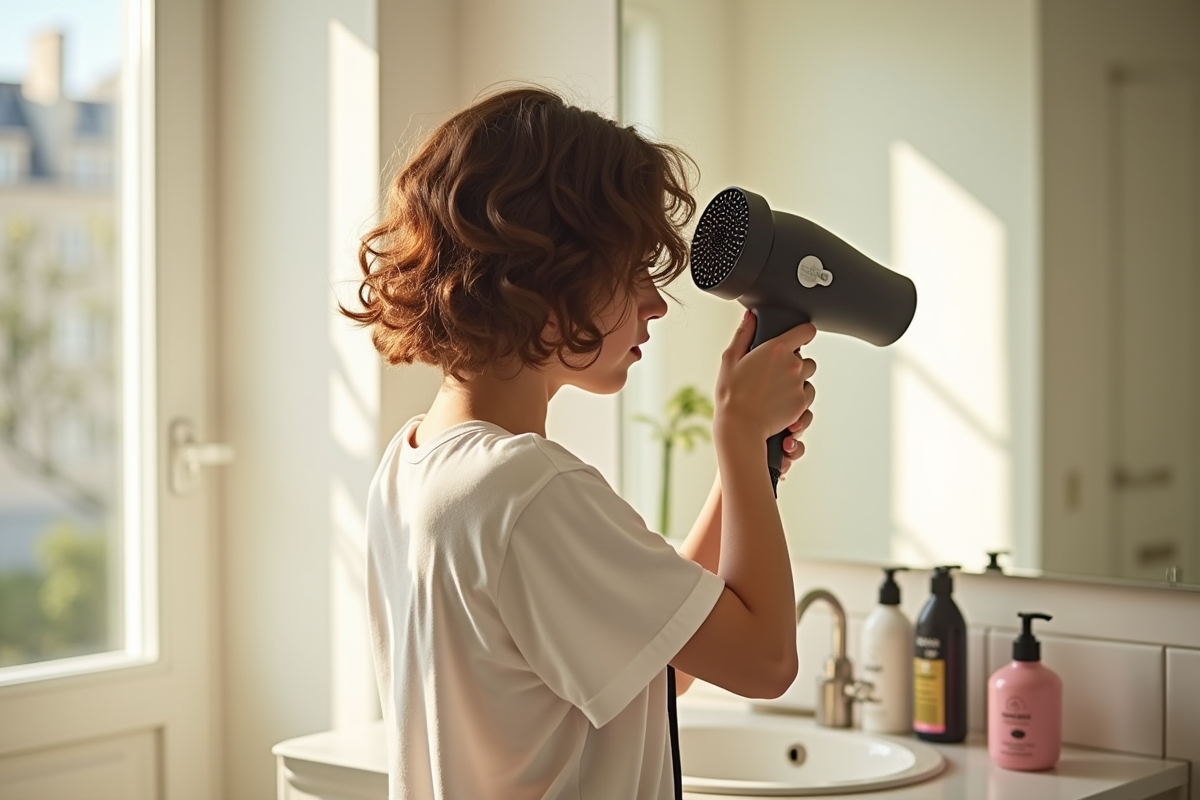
[{"x": 731, "y": 243}]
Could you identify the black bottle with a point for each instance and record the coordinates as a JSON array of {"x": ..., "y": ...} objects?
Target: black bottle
[{"x": 940, "y": 666}]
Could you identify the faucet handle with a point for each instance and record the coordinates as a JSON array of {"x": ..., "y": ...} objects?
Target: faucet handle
[{"x": 861, "y": 692}]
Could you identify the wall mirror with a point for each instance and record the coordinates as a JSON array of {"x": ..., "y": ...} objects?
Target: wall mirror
[{"x": 1034, "y": 167}]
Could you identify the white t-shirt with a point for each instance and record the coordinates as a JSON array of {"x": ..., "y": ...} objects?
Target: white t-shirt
[{"x": 522, "y": 617}]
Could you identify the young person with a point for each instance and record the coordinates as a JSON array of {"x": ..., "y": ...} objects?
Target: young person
[{"x": 523, "y": 616}]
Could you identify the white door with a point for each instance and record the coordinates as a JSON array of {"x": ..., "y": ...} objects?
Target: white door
[
  {"x": 1156, "y": 293},
  {"x": 130, "y": 712},
  {"x": 1121, "y": 116}
]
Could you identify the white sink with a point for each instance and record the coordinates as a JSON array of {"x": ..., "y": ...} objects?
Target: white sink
[{"x": 755, "y": 753}]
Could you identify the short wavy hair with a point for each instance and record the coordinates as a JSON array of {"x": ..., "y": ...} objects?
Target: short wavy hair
[{"x": 519, "y": 209}]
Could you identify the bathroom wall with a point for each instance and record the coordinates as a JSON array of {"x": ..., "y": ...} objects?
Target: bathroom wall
[{"x": 298, "y": 388}]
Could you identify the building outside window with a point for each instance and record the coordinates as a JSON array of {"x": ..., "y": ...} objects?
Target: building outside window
[
  {"x": 61, "y": 530},
  {"x": 12, "y": 163}
]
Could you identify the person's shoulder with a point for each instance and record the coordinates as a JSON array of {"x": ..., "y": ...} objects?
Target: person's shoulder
[
  {"x": 486, "y": 459},
  {"x": 532, "y": 461},
  {"x": 493, "y": 457},
  {"x": 561, "y": 459}
]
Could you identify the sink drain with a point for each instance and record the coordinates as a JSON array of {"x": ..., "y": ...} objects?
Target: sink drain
[{"x": 797, "y": 755}]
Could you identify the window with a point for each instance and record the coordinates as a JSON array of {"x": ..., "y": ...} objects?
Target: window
[
  {"x": 12, "y": 162},
  {"x": 90, "y": 169},
  {"x": 72, "y": 245},
  {"x": 72, "y": 364}
]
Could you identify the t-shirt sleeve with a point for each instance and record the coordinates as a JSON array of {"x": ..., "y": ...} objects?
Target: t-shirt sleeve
[{"x": 596, "y": 602}]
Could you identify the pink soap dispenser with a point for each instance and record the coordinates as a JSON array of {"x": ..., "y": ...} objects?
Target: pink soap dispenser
[{"x": 1025, "y": 707}]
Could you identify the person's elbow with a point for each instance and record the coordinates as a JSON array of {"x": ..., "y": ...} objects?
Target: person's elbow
[
  {"x": 749, "y": 655},
  {"x": 776, "y": 674}
]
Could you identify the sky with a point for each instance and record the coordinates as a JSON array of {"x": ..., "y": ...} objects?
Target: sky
[{"x": 92, "y": 48}]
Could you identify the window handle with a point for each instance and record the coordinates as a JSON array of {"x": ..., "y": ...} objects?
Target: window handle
[{"x": 188, "y": 456}]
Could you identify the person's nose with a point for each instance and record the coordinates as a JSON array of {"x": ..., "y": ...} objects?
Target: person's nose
[{"x": 651, "y": 304}]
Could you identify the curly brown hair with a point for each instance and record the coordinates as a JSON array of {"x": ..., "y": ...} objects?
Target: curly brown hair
[{"x": 520, "y": 209}]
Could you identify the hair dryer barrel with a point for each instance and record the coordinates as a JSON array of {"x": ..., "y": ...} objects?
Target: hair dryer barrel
[
  {"x": 789, "y": 270},
  {"x": 811, "y": 275},
  {"x": 794, "y": 269}
]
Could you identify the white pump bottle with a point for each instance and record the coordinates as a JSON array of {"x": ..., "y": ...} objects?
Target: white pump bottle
[{"x": 887, "y": 659}]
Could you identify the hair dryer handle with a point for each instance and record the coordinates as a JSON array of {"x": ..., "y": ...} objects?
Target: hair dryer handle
[{"x": 772, "y": 322}]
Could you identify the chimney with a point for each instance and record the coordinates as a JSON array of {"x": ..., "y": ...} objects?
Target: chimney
[{"x": 44, "y": 80}]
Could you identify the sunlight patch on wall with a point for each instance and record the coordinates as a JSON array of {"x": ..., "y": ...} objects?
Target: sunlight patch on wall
[
  {"x": 952, "y": 455},
  {"x": 354, "y": 371},
  {"x": 641, "y": 71},
  {"x": 644, "y": 393}
]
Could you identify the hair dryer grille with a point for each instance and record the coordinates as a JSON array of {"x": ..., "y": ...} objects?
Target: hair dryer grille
[{"x": 719, "y": 238}]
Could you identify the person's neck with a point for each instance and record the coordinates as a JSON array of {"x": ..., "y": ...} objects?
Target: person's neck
[{"x": 518, "y": 404}]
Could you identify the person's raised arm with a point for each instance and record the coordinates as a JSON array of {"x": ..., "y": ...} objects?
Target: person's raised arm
[
  {"x": 748, "y": 642},
  {"x": 703, "y": 542}
]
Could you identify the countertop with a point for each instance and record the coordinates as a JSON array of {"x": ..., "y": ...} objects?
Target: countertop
[
  {"x": 1080, "y": 774},
  {"x": 357, "y": 755}
]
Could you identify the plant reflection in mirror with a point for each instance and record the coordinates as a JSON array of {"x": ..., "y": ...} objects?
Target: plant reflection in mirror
[{"x": 680, "y": 427}]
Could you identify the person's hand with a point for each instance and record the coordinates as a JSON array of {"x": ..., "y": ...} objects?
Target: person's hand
[
  {"x": 793, "y": 448},
  {"x": 762, "y": 391}
]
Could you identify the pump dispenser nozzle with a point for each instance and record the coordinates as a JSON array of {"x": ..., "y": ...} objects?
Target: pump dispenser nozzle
[
  {"x": 942, "y": 583},
  {"x": 1025, "y": 646},
  {"x": 993, "y": 566},
  {"x": 889, "y": 592}
]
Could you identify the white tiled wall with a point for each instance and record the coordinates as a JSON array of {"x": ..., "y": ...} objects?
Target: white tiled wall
[
  {"x": 976, "y": 678},
  {"x": 1183, "y": 709}
]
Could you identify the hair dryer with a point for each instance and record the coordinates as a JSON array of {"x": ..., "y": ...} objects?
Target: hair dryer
[{"x": 789, "y": 271}]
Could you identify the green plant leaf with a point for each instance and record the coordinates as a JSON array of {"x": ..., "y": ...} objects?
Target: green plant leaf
[
  {"x": 655, "y": 426},
  {"x": 688, "y": 436},
  {"x": 689, "y": 402}
]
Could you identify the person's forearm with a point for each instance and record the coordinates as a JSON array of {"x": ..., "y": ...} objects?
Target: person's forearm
[
  {"x": 753, "y": 557},
  {"x": 703, "y": 543}
]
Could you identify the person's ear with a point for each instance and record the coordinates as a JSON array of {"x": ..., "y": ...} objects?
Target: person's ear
[{"x": 550, "y": 331}]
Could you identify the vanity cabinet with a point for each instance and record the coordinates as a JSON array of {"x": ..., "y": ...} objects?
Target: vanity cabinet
[{"x": 336, "y": 765}]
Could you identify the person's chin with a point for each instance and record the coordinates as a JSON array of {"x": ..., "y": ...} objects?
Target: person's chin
[
  {"x": 612, "y": 383},
  {"x": 614, "y": 386}
]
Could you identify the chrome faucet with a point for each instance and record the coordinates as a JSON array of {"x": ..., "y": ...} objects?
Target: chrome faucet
[{"x": 837, "y": 691}]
